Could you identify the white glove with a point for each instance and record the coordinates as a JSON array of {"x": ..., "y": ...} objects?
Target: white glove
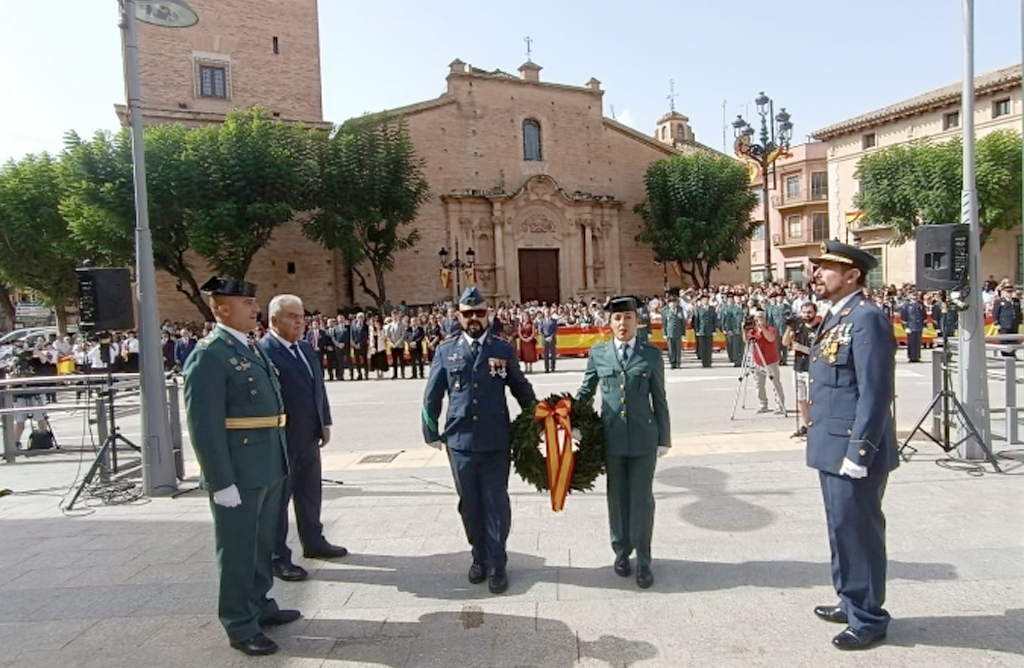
[
  {"x": 576, "y": 435},
  {"x": 227, "y": 497},
  {"x": 662, "y": 451},
  {"x": 853, "y": 470},
  {"x": 437, "y": 445}
]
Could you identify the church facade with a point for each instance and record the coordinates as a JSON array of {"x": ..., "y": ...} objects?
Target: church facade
[{"x": 528, "y": 174}]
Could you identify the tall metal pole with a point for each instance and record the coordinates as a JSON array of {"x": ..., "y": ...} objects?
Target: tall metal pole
[
  {"x": 767, "y": 218},
  {"x": 973, "y": 379},
  {"x": 157, "y": 455}
]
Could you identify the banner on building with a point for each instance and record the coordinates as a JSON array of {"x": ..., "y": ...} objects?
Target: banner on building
[
  {"x": 470, "y": 276},
  {"x": 446, "y": 278}
]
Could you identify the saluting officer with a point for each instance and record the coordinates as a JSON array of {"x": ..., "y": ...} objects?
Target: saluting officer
[
  {"x": 851, "y": 439},
  {"x": 474, "y": 369},
  {"x": 634, "y": 413},
  {"x": 236, "y": 421}
]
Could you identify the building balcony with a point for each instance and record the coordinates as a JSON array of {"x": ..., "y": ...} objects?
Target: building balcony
[{"x": 781, "y": 203}]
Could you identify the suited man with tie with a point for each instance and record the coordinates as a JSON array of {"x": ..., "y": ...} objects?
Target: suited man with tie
[
  {"x": 634, "y": 412},
  {"x": 309, "y": 429},
  {"x": 359, "y": 336},
  {"x": 474, "y": 369},
  {"x": 851, "y": 439},
  {"x": 236, "y": 422}
]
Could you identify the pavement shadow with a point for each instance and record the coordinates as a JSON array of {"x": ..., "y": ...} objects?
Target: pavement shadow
[
  {"x": 716, "y": 508},
  {"x": 472, "y": 637},
  {"x": 443, "y": 576},
  {"x": 984, "y": 632}
]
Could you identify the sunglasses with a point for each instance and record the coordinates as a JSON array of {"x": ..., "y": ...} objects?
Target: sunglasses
[{"x": 474, "y": 313}]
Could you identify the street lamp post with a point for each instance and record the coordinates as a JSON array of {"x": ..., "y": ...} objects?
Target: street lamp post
[
  {"x": 773, "y": 144},
  {"x": 158, "y": 473},
  {"x": 457, "y": 265}
]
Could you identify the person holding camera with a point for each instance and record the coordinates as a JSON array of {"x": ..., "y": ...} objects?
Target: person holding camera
[
  {"x": 799, "y": 337},
  {"x": 765, "y": 358}
]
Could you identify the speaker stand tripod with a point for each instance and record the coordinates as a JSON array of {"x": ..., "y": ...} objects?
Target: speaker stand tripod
[
  {"x": 749, "y": 369},
  {"x": 113, "y": 436},
  {"x": 950, "y": 405}
]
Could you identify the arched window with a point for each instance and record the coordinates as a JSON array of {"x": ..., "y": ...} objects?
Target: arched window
[{"x": 531, "y": 140}]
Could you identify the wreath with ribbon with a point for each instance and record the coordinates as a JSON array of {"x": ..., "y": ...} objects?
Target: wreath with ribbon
[{"x": 542, "y": 447}]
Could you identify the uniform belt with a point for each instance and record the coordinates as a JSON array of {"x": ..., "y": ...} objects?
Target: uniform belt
[{"x": 261, "y": 422}]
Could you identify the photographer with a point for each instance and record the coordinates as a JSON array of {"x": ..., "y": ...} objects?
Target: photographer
[
  {"x": 799, "y": 337},
  {"x": 766, "y": 358}
]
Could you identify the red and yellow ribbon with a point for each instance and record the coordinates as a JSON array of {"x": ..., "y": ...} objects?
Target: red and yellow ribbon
[{"x": 560, "y": 458}]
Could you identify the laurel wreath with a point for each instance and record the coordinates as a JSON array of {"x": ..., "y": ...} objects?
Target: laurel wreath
[{"x": 528, "y": 457}]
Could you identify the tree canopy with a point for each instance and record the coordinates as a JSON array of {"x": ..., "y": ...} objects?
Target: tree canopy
[
  {"x": 369, "y": 189},
  {"x": 697, "y": 212},
  {"x": 920, "y": 184}
]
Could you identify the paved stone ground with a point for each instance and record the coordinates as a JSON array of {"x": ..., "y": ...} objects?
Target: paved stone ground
[{"x": 741, "y": 558}]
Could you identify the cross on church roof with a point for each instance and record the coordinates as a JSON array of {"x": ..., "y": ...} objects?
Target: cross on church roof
[
  {"x": 529, "y": 51},
  {"x": 672, "y": 95}
]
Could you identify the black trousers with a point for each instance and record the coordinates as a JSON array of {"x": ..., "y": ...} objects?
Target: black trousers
[
  {"x": 481, "y": 479},
  {"x": 331, "y": 364},
  {"x": 704, "y": 350},
  {"x": 344, "y": 360},
  {"x": 550, "y": 354},
  {"x": 304, "y": 487},
  {"x": 914, "y": 346},
  {"x": 417, "y": 361},
  {"x": 856, "y": 536},
  {"x": 360, "y": 362},
  {"x": 398, "y": 361}
]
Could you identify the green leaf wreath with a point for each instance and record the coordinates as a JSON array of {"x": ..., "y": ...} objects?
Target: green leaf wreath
[{"x": 528, "y": 454}]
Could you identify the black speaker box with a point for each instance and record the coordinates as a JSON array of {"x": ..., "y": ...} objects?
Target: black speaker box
[
  {"x": 104, "y": 300},
  {"x": 942, "y": 254}
]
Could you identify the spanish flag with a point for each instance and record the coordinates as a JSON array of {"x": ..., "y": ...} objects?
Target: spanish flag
[
  {"x": 446, "y": 278},
  {"x": 471, "y": 276}
]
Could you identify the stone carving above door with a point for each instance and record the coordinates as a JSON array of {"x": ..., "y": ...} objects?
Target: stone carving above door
[{"x": 537, "y": 222}]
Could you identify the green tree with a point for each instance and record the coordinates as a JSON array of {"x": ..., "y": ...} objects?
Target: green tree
[
  {"x": 920, "y": 184},
  {"x": 369, "y": 189},
  {"x": 697, "y": 212},
  {"x": 36, "y": 250}
]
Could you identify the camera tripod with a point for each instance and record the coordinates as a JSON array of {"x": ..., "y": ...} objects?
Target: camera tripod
[
  {"x": 113, "y": 436},
  {"x": 950, "y": 405},
  {"x": 750, "y": 368}
]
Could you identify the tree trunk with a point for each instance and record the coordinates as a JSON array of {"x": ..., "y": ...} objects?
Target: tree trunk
[
  {"x": 382, "y": 299},
  {"x": 7, "y": 314},
  {"x": 62, "y": 319},
  {"x": 193, "y": 295},
  {"x": 365, "y": 288}
]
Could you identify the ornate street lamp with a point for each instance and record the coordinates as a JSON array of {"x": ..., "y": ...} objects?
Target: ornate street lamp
[
  {"x": 774, "y": 143},
  {"x": 457, "y": 265},
  {"x": 158, "y": 474}
]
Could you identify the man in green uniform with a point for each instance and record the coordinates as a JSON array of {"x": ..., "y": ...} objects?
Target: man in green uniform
[
  {"x": 673, "y": 326},
  {"x": 236, "y": 421},
  {"x": 704, "y": 324},
  {"x": 634, "y": 413},
  {"x": 731, "y": 315}
]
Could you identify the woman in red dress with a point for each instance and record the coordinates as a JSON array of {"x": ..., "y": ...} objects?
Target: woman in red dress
[{"x": 527, "y": 342}]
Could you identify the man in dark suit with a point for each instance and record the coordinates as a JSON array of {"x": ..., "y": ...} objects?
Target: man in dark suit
[
  {"x": 548, "y": 329},
  {"x": 474, "y": 369},
  {"x": 343, "y": 339},
  {"x": 634, "y": 412},
  {"x": 359, "y": 335},
  {"x": 236, "y": 422},
  {"x": 308, "y": 430},
  {"x": 183, "y": 347},
  {"x": 851, "y": 439}
]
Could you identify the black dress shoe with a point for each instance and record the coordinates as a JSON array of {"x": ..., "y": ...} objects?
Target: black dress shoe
[
  {"x": 831, "y": 613},
  {"x": 851, "y": 639},
  {"x": 280, "y": 618},
  {"x": 477, "y": 574},
  {"x": 290, "y": 572},
  {"x": 644, "y": 577},
  {"x": 258, "y": 645},
  {"x": 497, "y": 582},
  {"x": 326, "y": 551},
  {"x": 622, "y": 568}
]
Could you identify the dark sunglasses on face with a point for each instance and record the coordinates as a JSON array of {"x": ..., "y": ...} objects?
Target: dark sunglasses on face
[{"x": 474, "y": 313}]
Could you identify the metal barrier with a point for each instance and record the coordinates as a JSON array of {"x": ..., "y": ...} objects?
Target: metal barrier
[
  {"x": 1001, "y": 366},
  {"x": 90, "y": 394}
]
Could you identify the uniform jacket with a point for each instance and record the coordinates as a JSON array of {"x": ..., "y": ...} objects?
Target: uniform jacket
[
  {"x": 226, "y": 379},
  {"x": 634, "y": 411},
  {"x": 673, "y": 324},
  {"x": 1006, "y": 314},
  {"x": 852, "y": 376},
  {"x": 305, "y": 397},
  {"x": 730, "y": 318},
  {"x": 477, "y": 418},
  {"x": 704, "y": 321},
  {"x": 944, "y": 315},
  {"x": 913, "y": 315}
]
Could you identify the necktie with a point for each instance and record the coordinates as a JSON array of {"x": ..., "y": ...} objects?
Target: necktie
[
  {"x": 475, "y": 349},
  {"x": 298, "y": 356},
  {"x": 625, "y": 353}
]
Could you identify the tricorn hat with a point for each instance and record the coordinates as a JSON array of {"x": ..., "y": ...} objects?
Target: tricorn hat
[
  {"x": 622, "y": 303},
  {"x": 228, "y": 287}
]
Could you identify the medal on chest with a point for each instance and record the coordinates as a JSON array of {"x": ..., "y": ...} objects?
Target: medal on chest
[{"x": 498, "y": 366}]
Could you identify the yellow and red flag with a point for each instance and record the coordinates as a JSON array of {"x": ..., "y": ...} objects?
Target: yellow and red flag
[
  {"x": 560, "y": 458},
  {"x": 446, "y": 277}
]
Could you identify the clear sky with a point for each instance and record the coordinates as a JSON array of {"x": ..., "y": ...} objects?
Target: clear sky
[{"x": 824, "y": 60}]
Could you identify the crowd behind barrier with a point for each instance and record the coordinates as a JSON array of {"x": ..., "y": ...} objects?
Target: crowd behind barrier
[{"x": 358, "y": 342}]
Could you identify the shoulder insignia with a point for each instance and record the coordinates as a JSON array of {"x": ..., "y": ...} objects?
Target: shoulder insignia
[
  {"x": 846, "y": 311},
  {"x": 202, "y": 343}
]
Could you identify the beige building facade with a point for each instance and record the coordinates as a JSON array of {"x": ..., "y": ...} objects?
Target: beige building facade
[
  {"x": 933, "y": 116},
  {"x": 529, "y": 174}
]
